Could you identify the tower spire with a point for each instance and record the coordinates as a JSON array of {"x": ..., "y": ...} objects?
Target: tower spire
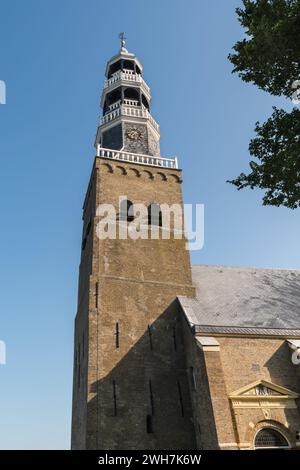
[{"x": 126, "y": 123}]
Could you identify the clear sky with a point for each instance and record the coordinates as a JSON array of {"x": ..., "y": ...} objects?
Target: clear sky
[{"x": 52, "y": 58}]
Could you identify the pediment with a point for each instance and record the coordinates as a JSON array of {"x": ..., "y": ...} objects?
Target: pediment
[{"x": 263, "y": 389}]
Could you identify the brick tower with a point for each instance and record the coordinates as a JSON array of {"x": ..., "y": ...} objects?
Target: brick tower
[{"x": 130, "y": 388}]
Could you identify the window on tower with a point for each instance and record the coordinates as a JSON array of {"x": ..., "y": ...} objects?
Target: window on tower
[
  {"x": 115, "y": 67},
  {"x": 123, "y": 65},
  {"x": 154, "y": 215},
  {"x": 126, "y": 210},
  {"x": 131, "y": 96},
  {"x": 128, "y": 65},
  {"x": 112, "y": 100},
  {"x": 145, "y": 102},
  {"x": 86, "y": 235}
]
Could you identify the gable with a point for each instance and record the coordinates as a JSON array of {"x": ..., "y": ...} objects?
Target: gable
[{"x": 263, "y": 389}]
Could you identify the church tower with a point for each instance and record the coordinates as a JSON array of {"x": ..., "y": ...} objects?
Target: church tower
[{"x": 130, "y": 388}]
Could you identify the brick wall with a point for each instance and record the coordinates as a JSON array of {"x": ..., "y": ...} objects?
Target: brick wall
[{"x": 239, "y": 362}]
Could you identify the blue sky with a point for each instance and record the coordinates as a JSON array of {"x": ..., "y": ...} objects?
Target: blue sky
[{"x": 52, "y": 58}]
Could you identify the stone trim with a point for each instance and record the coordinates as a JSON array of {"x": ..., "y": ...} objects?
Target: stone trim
[
  {"x": 207, "y": 343},
  {"x": 245, "y": 331},
  {"x": 276, "y": 425},
  {"x": 229, "y": 445},
  {"x": 284, "y": 392}
]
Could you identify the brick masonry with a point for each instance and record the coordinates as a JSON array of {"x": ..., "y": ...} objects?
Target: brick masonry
[
  {"x": 135, "y": 352},
  {"x": 134, "y": 394},
  {"x": 238, "y": 362}
]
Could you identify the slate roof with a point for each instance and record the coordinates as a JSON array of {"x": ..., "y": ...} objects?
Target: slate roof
[{"x": 244, "y": 300}]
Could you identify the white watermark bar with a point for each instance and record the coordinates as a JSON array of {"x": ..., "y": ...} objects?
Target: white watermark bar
[
  {"x": 2, "y": 92},
  {"x": 2, "y": 353}
]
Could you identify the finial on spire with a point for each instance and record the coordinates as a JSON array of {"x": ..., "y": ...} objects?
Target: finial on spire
[{"x": 122, "y": 41}]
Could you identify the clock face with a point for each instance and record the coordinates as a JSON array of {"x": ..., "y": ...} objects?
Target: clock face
[{"x": 134, "y": 133}]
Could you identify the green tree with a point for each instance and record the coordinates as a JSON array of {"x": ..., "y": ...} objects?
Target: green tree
[{"x": 269, "y": 57}]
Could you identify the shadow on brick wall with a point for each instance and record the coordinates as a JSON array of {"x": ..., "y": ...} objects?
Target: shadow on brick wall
[{"x": 144, "y": 401}]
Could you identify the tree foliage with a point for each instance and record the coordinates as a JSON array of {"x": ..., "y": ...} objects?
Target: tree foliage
[
  {"x": 277, "y": 147},
  {"x": 269, "y": 57}
]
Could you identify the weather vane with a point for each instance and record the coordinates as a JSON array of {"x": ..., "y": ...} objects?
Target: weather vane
[{"x": 122, "y": 39}]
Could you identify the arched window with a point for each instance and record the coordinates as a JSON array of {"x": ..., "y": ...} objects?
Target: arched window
[
  {"x": 131, "y": 96},
  {"x": 126, "y": 210},
  {"x": 114, "y": 68},
  {"x": 128, "y": 65},
  {"x": 154, "y": 215},
  {"x": 269, "y": 438},
  {"x": 145, "y": 102},
  {"x": 114, "y": 96}
]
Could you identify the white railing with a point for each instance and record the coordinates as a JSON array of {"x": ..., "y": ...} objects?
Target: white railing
[
  {"x": 115, "y": 105},
  {"x": 125, "y": 75},
  {"x": 137, "y": 158},
  {"x": 131, "y": 102},
  {"x": 129, "y": 111}
]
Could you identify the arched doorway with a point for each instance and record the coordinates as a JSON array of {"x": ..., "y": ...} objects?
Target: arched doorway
[{"x": 269, "y": 438}]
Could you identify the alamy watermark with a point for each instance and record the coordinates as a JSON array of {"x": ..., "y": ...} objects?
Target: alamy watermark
[
  {"x": 2, "y": 353},
  {"x": 155, "y": 221},
  {"x": 2, "y": 92}
]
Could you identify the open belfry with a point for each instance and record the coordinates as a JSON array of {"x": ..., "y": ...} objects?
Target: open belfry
[{"x": 169, "y": 356}]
